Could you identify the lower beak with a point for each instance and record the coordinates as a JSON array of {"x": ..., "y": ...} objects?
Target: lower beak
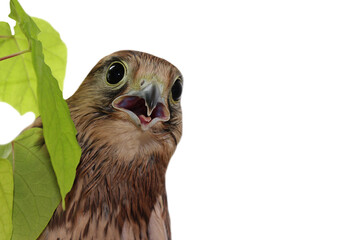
[{"x": 145, "y": 107}]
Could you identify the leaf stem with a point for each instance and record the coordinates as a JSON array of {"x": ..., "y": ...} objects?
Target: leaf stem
[
  {"x": 13, "y": 155},
  {"x": 14, "y": 55},
  {"x": 2, "y": 36}
]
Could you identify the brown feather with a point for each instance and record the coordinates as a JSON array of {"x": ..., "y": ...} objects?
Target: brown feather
[{"x": 119, "y": 190}]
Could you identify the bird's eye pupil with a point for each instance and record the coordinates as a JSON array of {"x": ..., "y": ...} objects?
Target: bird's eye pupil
[
  {"x": 176, "y": 90},
  {"x": 115, "y": 73}
]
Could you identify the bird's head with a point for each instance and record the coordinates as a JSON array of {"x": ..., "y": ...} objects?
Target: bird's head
[{"x": 133, "y": 96}]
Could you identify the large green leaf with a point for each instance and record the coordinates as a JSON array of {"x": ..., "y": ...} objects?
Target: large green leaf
[
  {"x": 6, "y": 199},
  {"x": 36, "y": 193},
  {"x": 17, "y": 77},
  {"x": 59, "y": 130},
  {"x": 55, "y": 51}
]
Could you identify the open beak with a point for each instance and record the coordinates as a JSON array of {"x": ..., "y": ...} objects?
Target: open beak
[{"x": 145, "y": 107}]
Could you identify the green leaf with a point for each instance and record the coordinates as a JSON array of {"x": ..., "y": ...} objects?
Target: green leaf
[
  {"x": 17, "y": 77},
  {"x": 6, "y": 199},
  {"x": 36, "y": 193},
  {"x": 54, "y": 49},
  {"x": 5, "y": 150},
  {"x": 59, "y": 130}
]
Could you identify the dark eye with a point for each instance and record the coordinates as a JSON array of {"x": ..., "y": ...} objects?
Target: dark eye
[
  {"x": 115, "y": 73},
  {"x": 176, "y": 90}
]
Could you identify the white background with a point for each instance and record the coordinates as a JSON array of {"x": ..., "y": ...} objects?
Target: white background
[{"x": 270, "y": 148}]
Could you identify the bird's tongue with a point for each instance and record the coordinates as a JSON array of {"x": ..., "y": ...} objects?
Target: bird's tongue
[{"x": 144, "y": 119}]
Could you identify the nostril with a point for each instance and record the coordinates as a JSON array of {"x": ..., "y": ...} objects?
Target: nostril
[{"x": 142, "y": 82}]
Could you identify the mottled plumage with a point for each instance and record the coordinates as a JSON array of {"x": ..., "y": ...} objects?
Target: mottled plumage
[{"x": 119, "y": 190}]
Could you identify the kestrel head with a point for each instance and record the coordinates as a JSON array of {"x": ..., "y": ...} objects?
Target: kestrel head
[{"x": 133, "y": 96}]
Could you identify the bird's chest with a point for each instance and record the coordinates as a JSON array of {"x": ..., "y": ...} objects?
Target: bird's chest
[{"x": 110, "y": 213}]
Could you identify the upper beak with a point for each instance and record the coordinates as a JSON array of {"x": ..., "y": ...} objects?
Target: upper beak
[
  {"x": 151, "y": 94},
  {"x": 145, "y": 107}
]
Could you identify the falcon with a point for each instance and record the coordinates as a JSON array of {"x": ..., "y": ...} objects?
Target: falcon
[{"x": 128, "y": 116}]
